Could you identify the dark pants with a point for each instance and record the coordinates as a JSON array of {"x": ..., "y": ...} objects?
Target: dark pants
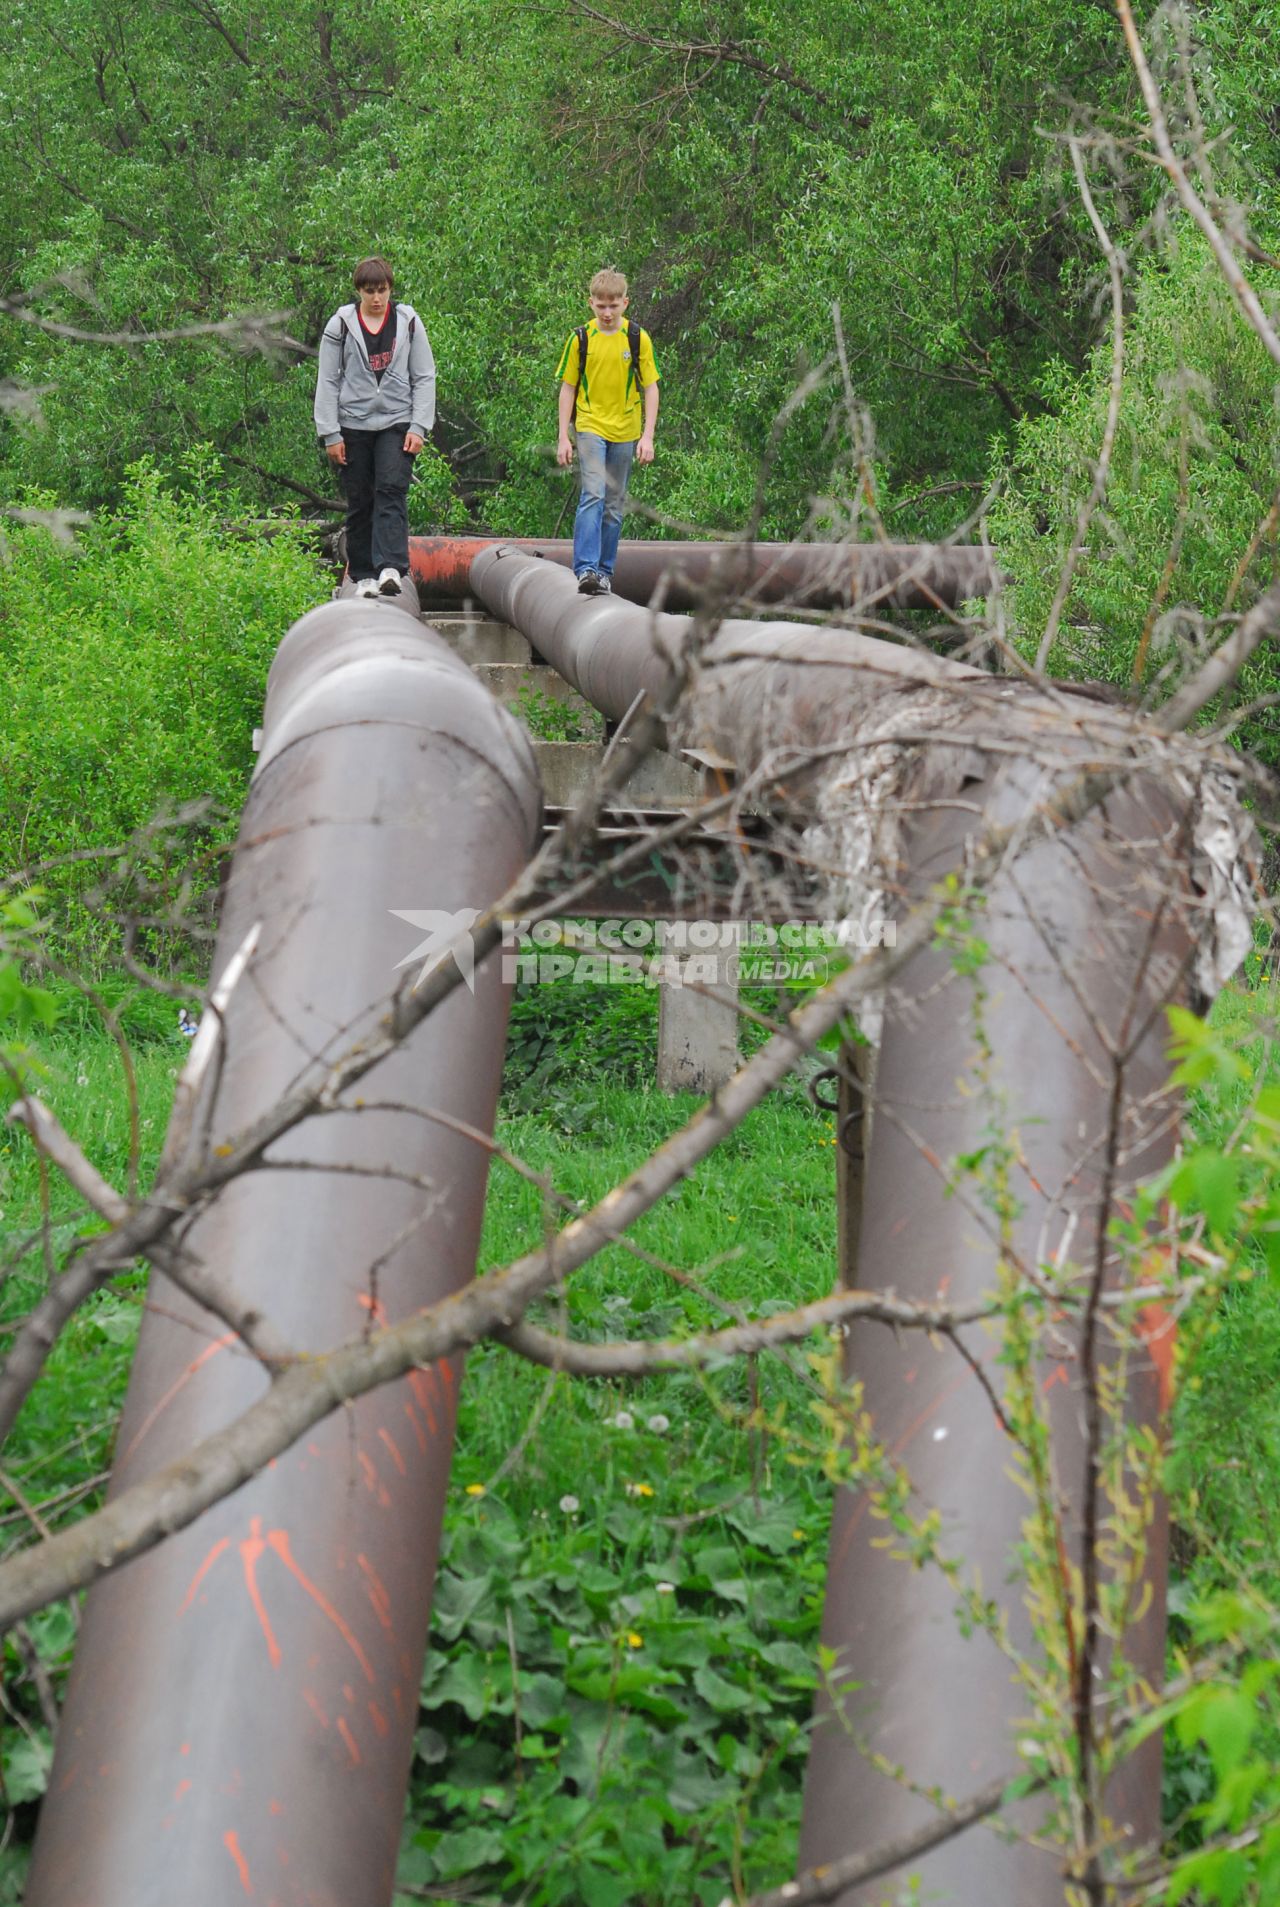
[{"x": 375, "y": 482}]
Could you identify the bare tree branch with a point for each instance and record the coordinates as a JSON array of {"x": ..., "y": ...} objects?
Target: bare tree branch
[
  {"x": 1102, "y": 467},
  {"x": 174, "y": 1496},
  {"x": 61, "y": 1150},
  {"x": 1223, "y": 666},
  {"x": 640, "y": 1357},
  {"x": 824, "y": 1883},
  {"x": 250, "y": 330},
  {"x": 1247, "y": 300}
]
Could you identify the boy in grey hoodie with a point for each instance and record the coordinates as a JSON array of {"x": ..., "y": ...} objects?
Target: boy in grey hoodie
[{"x": 375, "y": 405}]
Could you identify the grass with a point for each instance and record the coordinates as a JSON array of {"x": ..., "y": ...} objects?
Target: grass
[{"x": 616, "y": 1703}]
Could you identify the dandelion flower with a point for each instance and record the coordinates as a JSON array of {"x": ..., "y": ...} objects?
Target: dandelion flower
[
  {"x": 659, "y": 1423},
  {"x": 570, "y": 1505},
  {"x": 665, "y": 1589},
  {"x": 639, "y": 1489},
  {"x": 622, "y": 1420},
  {"x": 475, "y": 1489},
  {"x": 633, "y": 1640}
]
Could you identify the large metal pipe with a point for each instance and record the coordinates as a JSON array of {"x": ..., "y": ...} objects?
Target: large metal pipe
[
  {"x": 869, "y": 576},
  {"x": 612, "y": 651},
  {"x": 1089, "y": 933},
  {"x": 1089, "y": 938},
  {"x": 242, "y": 1708}
]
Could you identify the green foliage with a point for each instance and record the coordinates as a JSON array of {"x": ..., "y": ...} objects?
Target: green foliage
[
  {"x": 614, "y": 1711},
  {"x": 23, "y": 1005},
  {"x": 561, "y": 1035},
  {"x": 889, "y": 162},
  {"x": 549, "y": 719},
  {"x": 1191, "y": 481},
  {"x": 135, "y": 666}
]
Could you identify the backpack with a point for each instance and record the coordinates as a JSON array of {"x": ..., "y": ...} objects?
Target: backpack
[
  {"x": 342, "y": 341},
  {"x": 633, "y": 345}
]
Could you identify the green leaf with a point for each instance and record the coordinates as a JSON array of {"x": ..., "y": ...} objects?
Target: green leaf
[
  {"x": 456, "y": 1600},
  {"x": 722, "y": 1696},
  {"x": 458, "y": 1854},
  {"x": 771, "y": 1527},
  {"x": 603, "y": 1887},
  {"x": 26, "y": 1763},
  {"x": 1208, "y": 1181},
  {"x": 1225, "y": 1720},
  {"x": 464, "y": 1681}
]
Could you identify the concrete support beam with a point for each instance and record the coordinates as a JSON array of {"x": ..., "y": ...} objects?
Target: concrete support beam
[{"x": 698, "y": 1025}]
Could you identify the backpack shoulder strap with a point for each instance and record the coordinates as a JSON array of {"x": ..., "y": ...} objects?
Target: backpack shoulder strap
[
  {"x": 341, "y": 340},
  {"x": 633, "y": 345},
  {"x": 580, "y": 333}
]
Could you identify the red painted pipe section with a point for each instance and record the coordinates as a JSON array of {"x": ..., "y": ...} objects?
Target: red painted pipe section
[
  {"x": 240, "y": 1722},
  {"x": 683, "y": 576}
]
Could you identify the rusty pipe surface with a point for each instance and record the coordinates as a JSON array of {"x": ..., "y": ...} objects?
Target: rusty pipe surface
[
  {"x": 1089, "y": 938},
  {"x": 869, "y": 576},
  {"x": 242, "y": 1706},
  {"x": 757, "y": 691},
  {"x": 612, "y": 651}
]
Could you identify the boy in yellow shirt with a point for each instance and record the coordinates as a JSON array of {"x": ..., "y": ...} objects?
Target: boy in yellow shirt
[{"x": 609, "y": 390}]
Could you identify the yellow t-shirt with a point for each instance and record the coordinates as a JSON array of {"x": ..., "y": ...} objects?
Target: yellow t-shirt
[{"x": 609, "y": 401}]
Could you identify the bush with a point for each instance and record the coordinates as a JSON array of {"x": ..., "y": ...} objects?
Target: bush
[
  {"x": 1198, "y": 394},
  {"x": 135, "y": 664}
]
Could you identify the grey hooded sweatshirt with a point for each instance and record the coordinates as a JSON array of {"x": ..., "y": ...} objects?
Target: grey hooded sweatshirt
[{"x": 347, "y": 392}]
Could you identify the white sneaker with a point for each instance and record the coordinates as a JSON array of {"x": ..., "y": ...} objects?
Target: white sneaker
[
  {"x": 366, "y": 586},
  {"x": 389, "y": 583}
]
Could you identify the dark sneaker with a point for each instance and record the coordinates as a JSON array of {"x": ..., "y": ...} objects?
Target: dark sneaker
[
  {"x": 604, "y": 587},
  {"x": 589, "y": 583}
]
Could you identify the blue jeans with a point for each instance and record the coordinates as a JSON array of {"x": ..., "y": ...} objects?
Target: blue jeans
[{"x": 603, "y": 470}]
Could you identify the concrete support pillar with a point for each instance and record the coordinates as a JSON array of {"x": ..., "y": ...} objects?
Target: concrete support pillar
[{"x": 697, "y": 1019}]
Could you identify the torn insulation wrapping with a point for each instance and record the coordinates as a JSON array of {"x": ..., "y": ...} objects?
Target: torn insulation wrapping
[{"x": 841, "y": 735}]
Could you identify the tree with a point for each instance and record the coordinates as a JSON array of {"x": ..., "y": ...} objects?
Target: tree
[{"x": 1226, "y": 1198}]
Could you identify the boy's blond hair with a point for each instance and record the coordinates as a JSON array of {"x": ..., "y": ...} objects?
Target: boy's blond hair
[{"x": 609, "y": 284}]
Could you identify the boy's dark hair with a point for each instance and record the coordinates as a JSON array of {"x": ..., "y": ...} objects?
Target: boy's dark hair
[{"x": 373, "y": 271}]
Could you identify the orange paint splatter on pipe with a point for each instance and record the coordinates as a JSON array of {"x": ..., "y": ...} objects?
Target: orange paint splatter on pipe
[
  {"x": 196, "y": 1580},
  {"x": 385, "y": 1437},
  {"x": 251, "y": 1552},
  {"x": 196, "y": 1364},
  {"x": 232, "y": 1844},
  {"x": 418, "y": 1431},
  {"x": 372, "y": 1480},
  {"x": 423, "y": 1385},
  {"x": 279, "y": 1541},
  {"x": 350, "y": 1740},
  {"x": 1159, "y": 1332},
  {"x": 313, "y": 1703},
  {"x": 377, "y": 1592}
]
